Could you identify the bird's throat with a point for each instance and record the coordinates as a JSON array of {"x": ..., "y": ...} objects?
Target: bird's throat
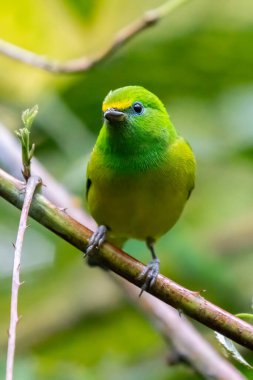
[{"x": 126, "y": 152}]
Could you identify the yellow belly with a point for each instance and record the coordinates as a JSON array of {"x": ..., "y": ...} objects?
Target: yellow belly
[{"x": 144, "y": 204}]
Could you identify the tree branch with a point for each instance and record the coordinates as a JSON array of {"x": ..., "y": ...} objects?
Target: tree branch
[
  {"x": 82, "y": 64},
  {"x": 29, "y": 188},
  {"x": 192, "y": 303},
  {"x": 187, "y": 343},
  {"x": 177, "y": 331},
  {"x": 11, "y": 161}
]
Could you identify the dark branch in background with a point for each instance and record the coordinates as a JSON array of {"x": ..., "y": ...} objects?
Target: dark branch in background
[
  {"x": 82, "y": 64},
  {"x": 185, "y": 340},
  {"x": 187, "y": 344},
  {"x": 192, "y": 303}
]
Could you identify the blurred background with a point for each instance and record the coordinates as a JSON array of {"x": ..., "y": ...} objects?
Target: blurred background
[{"x": 76, "y": 323}]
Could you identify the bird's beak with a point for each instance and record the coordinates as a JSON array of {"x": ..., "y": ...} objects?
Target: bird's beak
[{"x": 114, "y": 115}]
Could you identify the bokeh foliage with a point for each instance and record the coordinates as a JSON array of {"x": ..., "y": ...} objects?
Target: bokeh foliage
[{"x": 76, "y": 324}]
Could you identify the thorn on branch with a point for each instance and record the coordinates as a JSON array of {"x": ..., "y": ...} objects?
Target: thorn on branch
[
  {"x": 198, "y": 293},
  {"x": 19, "y": 319},
  {"x": 151, "y": 17},
  {"x": 63, "y": 209},
  {"x": 174, "y": 358}
]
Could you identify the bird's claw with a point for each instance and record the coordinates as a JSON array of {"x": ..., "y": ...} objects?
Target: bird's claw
[
  {"x": 96, "y": 240},
  {"x": 149, "y": 274}
]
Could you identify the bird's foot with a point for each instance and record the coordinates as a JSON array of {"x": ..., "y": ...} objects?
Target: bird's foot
[
  {"x": 149, "y": 274},
  {"x": 96, "y": 240}
]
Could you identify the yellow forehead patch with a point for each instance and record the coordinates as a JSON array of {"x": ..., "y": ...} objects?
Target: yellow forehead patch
[{"x": 120, "y": 105}]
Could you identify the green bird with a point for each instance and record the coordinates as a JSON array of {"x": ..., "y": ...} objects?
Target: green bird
[{"x": 140, "y": 173}]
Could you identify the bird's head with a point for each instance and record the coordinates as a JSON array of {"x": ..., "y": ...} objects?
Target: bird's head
[
  {"x": 133, "y": 106},
  {"x": 135, "y": 117}
]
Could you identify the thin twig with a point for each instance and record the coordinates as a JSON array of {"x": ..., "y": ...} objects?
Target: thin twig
[
  {"x": 192, "y": 303},
  {"x": 82, "y": 64},
  {"x": 187, "y": 343},
  {"x": 30, "y": 188}
]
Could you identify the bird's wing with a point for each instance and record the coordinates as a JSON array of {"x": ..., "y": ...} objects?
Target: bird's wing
[{"x": 88, "y": 185}]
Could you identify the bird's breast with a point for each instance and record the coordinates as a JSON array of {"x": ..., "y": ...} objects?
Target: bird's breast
[{"x": 141, "y": 203}]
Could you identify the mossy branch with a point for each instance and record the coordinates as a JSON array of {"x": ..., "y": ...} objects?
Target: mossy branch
[
  {"x": 191, "y": 303},
  {"x": 184, "y": 340}
]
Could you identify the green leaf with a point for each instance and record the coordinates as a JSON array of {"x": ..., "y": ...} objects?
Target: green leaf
[
  {"x": 29, "y": 115},
  {"x": 229, "y": 345},
  {"x": 245, "y": 316},
  {"x": 23, "y": 134}
]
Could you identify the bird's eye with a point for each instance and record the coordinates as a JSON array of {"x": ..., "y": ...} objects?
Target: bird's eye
[{"x": 138, "y": 108}]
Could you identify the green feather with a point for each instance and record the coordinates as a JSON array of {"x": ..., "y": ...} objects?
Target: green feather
[{"x": 140, "y": 171}]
